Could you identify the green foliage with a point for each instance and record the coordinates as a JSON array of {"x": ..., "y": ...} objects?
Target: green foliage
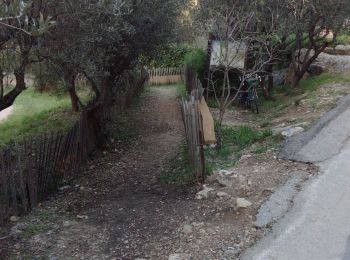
[
  {"x": 234, "y": 141},
  {"x": 314, "y": 82},
  {"x": 344, "y": 39},
  {"x": 182, "y": 90},
  {"x": 243, "y": 136},
  {"x": 213, "y": 103},
  {"x": 172, "y": 55},
  {"x": 196, "y": 60}
]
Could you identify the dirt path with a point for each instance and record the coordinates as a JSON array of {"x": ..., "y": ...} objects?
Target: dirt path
[
  {"x": 4, "y": 114},
  {"x": 119, "y": 210}
]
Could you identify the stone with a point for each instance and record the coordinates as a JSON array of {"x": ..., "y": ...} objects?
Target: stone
[
  {"x": 187, "y": 229},
  {"x": 14, "y": 219},
  {"x": 242, "y": 203},
  {"x": 292, "y": 131},
  {"x": 279, "y": 77},
  {"x": 338, "y": 50},
  {"x": 225, "y": 172},
  {"x": 17, "y": 229},
  {"x": 221, "y": 194},
  {"x": 316, "y": 69},
  {"x": 230, "y": 253},
  {"x": 64, "y": 188},
  {"x": 68, "y": 223},
  {"x": 225, "y": 180},
  {"x": 82, "y": 217},
  {"x": 179, "y": 256},
  {"x": 204, "y": 194}
]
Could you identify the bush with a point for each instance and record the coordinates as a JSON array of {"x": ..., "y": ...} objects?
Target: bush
[
  {"x": 196, "y": 60},
  {"x": 172, "y": 55}
]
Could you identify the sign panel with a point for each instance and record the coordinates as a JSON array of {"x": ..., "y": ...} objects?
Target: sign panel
[{"x": 234, "y": 57}]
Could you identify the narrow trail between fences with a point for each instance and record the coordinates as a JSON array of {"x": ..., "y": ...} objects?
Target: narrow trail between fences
[{"x": 119, "y": 209}]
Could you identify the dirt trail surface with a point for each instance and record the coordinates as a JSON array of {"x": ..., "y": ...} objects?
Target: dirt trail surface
[
  {"x": 120, "y": 209},
  {"x": 4, "y": 114}
]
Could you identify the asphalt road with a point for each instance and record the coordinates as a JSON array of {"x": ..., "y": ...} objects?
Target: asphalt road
[{"x": 317, "y": 227}]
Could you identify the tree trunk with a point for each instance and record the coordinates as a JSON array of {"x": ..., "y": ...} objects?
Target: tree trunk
[
  {"x": 270, "y": 85},
  {"x": 8, "y": 99},
  {"x": 299, "y": 73},
  {"x": 74, "y": 99},
  {"x": 69, "y": 79},
  {"x": 219, "y": 130},
  {"x": 1, "y": 84}
]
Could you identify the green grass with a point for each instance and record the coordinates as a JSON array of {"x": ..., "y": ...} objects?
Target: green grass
[
  {"x": 35, "y": 113},
  {"x": 314, "y": 82},
  {"x": 213, "y": 103},
  {"x": 343, "y": 39},
  {"x": 234, "y": 142},
  {"x": 182, "y": 91}
]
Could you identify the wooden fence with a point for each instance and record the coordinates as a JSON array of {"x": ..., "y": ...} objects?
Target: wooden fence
[
  {"x": 36, "y": 168},
  {"x": 193, "y": 123},
  {"x": 164, "y": 76}
]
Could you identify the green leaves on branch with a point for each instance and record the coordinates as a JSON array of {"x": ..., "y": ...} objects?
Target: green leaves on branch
[{"x": 19, "y": 16}]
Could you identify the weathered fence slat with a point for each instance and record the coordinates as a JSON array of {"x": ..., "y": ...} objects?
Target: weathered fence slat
[{"x": 164, "y": 76}]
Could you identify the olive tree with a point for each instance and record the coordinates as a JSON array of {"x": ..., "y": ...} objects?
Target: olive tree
[
  {"x": 316, "y": 24},
  {"x": 21, "y": 23}
]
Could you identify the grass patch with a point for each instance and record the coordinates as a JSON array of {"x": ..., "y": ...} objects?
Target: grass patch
[
  {"x": 213, "y": 103},
  {"x": 234, "y": 141},
  {"x": 36, "y": 113},
  {"x": 314, "y": 82},
  {"x": 182, "y": 90},
  {"x": 343, "y": 39}
]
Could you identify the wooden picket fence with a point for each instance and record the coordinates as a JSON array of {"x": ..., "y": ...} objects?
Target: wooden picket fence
[
  {"x": 164, "y": 76},
  {"x": 193, "y": 123},
  {"x": 36, "y": 168}
]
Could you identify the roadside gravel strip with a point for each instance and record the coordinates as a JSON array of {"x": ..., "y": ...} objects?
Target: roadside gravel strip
[{"x": 317, "y": 227}]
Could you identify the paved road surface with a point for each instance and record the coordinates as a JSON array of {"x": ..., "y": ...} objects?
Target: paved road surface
[{"x": 318, "y": 225}]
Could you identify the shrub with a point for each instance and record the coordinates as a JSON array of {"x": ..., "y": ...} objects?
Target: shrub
[
  {"x": 196, "y": 60},
  {"x": 172, "y": 55}
]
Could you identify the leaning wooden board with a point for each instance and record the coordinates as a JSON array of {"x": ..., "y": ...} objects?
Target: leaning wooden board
[{"x": 208, "y": 123}]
